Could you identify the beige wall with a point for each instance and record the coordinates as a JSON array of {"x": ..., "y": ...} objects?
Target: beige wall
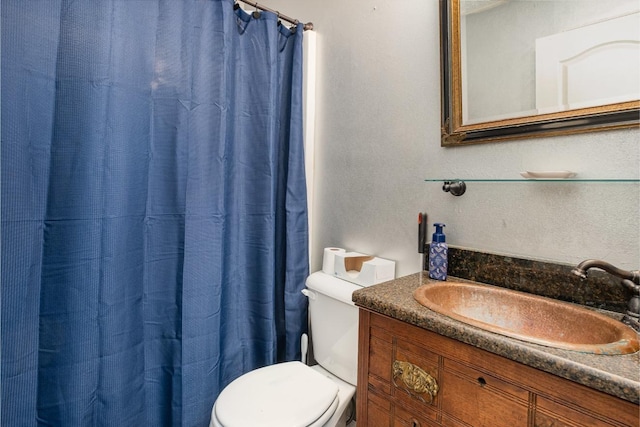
[{"x": 378, "y": 138}]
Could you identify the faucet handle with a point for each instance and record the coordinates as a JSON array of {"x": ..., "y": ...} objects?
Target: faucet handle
[{"x": 629, "y": 284}]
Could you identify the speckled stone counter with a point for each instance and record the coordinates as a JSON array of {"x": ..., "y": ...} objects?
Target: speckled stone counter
[{"x": 617, "y": 375}]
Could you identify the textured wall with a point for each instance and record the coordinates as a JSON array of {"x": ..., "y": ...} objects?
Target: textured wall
[{"x": 378, "y": 137}]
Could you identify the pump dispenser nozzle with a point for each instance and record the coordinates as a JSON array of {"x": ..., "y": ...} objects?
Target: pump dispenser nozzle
[{"x": 438, "y": 236}]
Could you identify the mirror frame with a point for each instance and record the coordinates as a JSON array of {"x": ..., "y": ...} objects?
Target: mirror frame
[{"x": 455, "y": 133}]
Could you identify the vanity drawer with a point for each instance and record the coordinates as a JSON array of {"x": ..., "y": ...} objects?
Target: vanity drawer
[
  {"x": 416, "y": 380},
  {"x": 404, "y": 371},
  {"x": 554, "y": 414},
  {"x": 474, "y": 397},
  {"x": 407, "y": 418}
]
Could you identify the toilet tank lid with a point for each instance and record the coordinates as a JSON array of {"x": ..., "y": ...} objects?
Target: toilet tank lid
[
  {"x": 333, "y": 287},
  {"x": 284, "y": 394}
]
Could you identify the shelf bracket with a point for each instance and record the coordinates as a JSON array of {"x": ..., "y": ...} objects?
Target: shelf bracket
[{"x": 456, "y": 188}]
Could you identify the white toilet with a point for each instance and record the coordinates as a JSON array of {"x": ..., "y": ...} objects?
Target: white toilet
[{"x": 292, "y": 393}]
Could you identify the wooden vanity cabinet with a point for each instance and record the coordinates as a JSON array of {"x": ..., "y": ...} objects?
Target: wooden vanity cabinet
[{"x": 408, "y": 376}]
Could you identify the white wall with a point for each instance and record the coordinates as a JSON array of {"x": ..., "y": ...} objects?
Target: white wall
[{"x": 378, "y": 138}]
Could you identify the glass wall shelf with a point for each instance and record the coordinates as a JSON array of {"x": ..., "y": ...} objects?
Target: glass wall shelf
[
  {"x": 637, "y": 180},
  {"x": 457, "y": 186}
]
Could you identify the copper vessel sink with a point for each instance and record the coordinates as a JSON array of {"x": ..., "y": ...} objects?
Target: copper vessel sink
[{"x": 529, "y": 317}]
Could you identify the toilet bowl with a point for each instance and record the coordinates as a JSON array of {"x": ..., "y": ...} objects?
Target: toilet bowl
[{"x": 292, "y": 393}]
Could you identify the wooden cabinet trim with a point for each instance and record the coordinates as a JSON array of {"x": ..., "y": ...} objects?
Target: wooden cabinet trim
[{"x": 364, "y": 327}]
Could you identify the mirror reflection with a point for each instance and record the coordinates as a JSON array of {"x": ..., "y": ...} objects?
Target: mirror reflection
[{"x": 524, "y": 58}]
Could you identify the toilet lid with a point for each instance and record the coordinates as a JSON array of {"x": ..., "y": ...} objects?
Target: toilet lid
[{"x": 284, "y": 394}]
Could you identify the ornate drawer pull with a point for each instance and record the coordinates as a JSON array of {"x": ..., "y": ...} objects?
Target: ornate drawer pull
[{"x": 417, "y": 382}]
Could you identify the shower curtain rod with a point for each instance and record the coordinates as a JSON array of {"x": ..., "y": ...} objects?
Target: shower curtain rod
[{"x": 307, "y": 26}]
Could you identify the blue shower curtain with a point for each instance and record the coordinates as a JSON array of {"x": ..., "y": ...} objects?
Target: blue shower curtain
[{"x": 154, "y": 224}]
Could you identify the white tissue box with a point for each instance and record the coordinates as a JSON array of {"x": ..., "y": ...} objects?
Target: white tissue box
[{"x": 363, "y": 270}]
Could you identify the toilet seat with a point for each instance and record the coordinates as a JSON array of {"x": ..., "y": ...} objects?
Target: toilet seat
[{"x": 284, "y": 394}]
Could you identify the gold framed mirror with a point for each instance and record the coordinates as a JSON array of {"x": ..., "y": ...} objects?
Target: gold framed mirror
[{"x": 575, "y": 101}]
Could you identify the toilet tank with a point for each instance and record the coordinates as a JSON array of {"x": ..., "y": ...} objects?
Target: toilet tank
[{"x": 334, "y": 325}]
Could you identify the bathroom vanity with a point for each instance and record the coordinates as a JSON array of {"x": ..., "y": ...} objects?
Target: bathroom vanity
[{"x": 418, "y": 368}]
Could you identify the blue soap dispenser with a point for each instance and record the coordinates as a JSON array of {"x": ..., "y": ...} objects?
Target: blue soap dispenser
[{"x": 438, "y": 254}]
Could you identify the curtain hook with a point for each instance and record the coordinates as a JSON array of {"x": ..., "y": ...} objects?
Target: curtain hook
[
  {"x": 256, "y": 13},
  {"x": 236, "y": 6}
]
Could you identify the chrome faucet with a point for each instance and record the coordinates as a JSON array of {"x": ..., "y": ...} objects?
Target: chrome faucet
[{"x": 630, "y": 280}]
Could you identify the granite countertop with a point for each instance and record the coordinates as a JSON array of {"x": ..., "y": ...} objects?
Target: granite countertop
[{"x": 618, "y": 375}]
